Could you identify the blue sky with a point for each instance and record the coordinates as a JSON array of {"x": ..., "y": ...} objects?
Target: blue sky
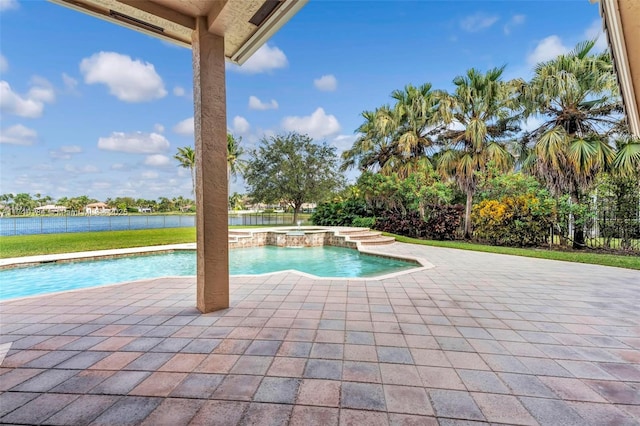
[{"x": 92, "y": 108}]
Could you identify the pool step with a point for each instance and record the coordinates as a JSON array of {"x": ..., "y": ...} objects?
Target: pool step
[
  {"x": 378, "y": 241},
  {"x": 361, "y": 236},
  {"x": 367, "y": 237}
]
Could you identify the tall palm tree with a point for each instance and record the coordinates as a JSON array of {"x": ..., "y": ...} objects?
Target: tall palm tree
[
  {"x": 394, "y": 139},
  {"x": 235, "y": 165},
  {"x": 480, "y": 115},
  {"x": 186, "y": 156},
  {"x": 372, "y": 150},
  {"x": 577, "y": 96}
]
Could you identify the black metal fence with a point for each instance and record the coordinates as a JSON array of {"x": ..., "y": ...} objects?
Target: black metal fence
[
  {"x": 261, "y": 219},
  {"x": 62, "y": 224},
  {"x": 605, "y": 225},
  {"x": 30, "y": 225}
]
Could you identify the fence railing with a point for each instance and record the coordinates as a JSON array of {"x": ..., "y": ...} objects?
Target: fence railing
[
  {"x": 62, "y": 224},
  {"x": 603, "y": 231},
  {"x": 261, "y": 219},
  {"x": 31, "y": 225}
]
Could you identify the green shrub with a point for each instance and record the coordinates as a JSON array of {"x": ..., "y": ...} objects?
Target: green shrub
[
  {"x": 364, "y": 222},
  {"x": 513, "y": 221},
  {"x": 339, "y": 213}
]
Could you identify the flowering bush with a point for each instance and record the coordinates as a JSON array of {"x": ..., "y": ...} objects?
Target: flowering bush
[{"x": 521, "y": 220}]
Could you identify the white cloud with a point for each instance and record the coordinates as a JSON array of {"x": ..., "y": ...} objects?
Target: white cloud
[
  {"x": 240, "y": 125},
  {"x": 156, "y": 160},
  {"x": 594, "y": 32},
  {"x": 4, "y": 64},
  {"x": 30, "y": 105},
  {"x": 267, "y": 58},
  {"x": 71, "y": 149},
  {"x": 478, "y": 22},
  {"x": 344, "y": 142},
  {"x": 149, "y": 175},
  {"x": 186, "y": 127},
  {"x": 129, "y": 80},
  {"x": 69, "y": 82},
  {"x": 326, "y": 83},
  {"x": 513, "y": 22},
  {"x": 547, "y": 49},
  {"x": 41, "y": 90},
  {"x": 65, "y": 152},
  {"x": 256, "y": 103},
  {"x": 84, "y": 169},
  {"x": 117, "y": 166},
  {"x": 531, "y": 124},
  {"x": 18, "y": 135},
  {"x": 316, "y": 125},
  {"x": 8, "y": 5},
  {"x": 159, "y": 128},
  {"x": 101, "y": 185},
  {"x": 59, "y": 155},
  {"x": 135, "y": 143},
  {"x": 179, "y": 91}
]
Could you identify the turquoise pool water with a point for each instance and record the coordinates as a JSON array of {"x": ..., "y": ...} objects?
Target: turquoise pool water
[{"x": 319, "y": 261}]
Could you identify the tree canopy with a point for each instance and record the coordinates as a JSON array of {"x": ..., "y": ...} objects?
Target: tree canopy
[{"x": 293, "y": 169}]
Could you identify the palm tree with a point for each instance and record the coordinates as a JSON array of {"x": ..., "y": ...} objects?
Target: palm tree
[
  {"x": 372, "y": 150},
  {"x": 578, "y": 97},
  {"x": 627, "y": 159},
  {"x": 186, "y": 156},
  {"x": 480, "y": 109},
  {"x": 394, "y": 139},
  {"x": 235, "y": 165}
]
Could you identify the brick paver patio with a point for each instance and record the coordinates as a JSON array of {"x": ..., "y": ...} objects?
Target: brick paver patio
[{"x": 479, "y": 338}]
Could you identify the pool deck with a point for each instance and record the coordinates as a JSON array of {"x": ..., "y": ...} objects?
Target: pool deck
[{"x": 477, "y": 338}]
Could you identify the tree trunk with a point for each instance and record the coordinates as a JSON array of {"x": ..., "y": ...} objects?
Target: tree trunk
[
  {"x": 193, "y": 181},
  {"x": 578, "y": 226},
  {"x": 296, "y": 210},
  {"x": 467, "y": 216}
]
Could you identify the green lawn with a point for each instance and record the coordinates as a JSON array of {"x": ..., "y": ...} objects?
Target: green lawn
[
  {"x": 630, "y": 262},
  {"x": 30, "y": 245}
]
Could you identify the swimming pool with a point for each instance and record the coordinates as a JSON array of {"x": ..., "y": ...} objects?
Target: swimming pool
[{"x": 319, "y": 261}]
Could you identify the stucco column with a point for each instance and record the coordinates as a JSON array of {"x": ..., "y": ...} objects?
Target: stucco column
[{"x": 211, "y": 169}]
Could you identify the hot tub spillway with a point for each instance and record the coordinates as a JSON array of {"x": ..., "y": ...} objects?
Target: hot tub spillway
[{"x": 295, "y": 239}]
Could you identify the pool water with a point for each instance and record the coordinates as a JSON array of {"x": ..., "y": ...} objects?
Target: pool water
[{"x": 319, "y": 261}]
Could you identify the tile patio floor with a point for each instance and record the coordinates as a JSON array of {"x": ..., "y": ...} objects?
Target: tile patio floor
[{"x": 479, "y": 338}]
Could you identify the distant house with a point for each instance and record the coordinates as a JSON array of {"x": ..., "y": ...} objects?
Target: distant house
[
  {"x": 97, "y": 208},
  {"x": 308, "y": 207},
  {"x": 50, "y": 208},
  {"x": 144, "y": 209}
]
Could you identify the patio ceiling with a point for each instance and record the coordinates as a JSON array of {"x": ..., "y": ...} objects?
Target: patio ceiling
[
  {"x": 621, "y": 19},
  {"x": 245, "y": 24}
]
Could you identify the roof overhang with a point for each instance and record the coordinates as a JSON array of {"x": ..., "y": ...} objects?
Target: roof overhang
[
  {"x": 245, "y": 24},
  {"x": 621, "y": 21}
]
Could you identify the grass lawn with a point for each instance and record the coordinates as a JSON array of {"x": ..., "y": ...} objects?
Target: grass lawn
[
  {"x": 32, "y": 245},
  {"x": 629, "y": 262}
]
